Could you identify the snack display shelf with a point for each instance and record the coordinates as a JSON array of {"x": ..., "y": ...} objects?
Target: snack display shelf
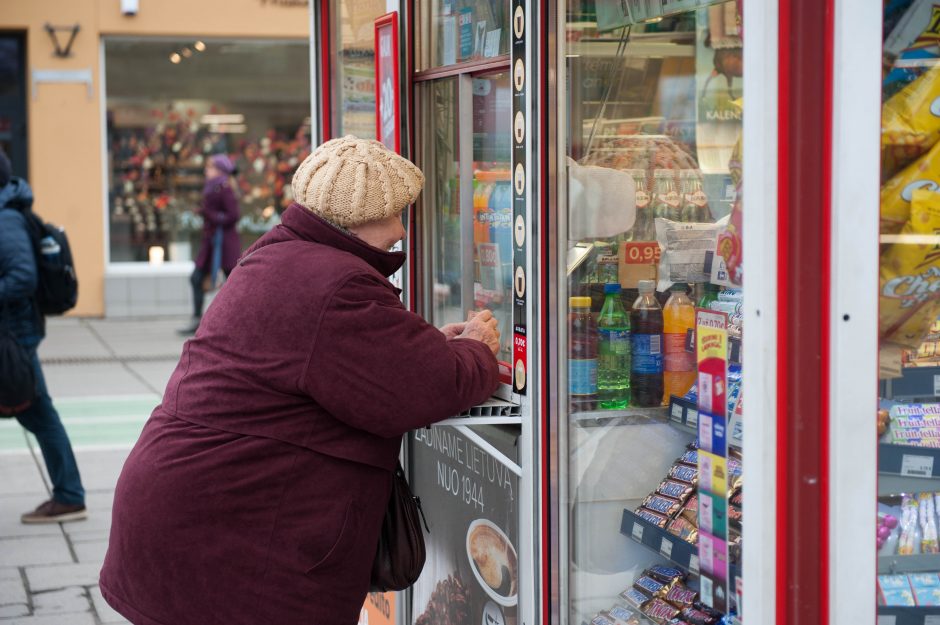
[
  {"x": 908, "y": 616},
  {"x": 673, "y": 548},
  {"x": 915, "y": 383},
  {"x": 920, "y": 563},
  {"x": 906, "y": 469}
]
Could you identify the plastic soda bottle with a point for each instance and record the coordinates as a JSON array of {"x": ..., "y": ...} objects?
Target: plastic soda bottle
[
  {"x": 678, "y": 364},
  {"x": 646, "y": 325},
  {"x": 710, "y": 295},
  {"x": 613, "y": 352},
  {"x": 582, "y": 355}
]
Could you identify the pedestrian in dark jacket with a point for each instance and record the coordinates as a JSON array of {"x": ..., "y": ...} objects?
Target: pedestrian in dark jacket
[
  {"x": 19, "y": 316},
  {"x": 256, "y": 492},
  {"x": 220, "y": 245}
]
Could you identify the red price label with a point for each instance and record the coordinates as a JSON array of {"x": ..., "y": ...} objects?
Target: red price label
[{"x": 646, "y": 253}]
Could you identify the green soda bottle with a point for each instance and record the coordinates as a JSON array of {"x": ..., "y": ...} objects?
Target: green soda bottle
[{"x": 613, "y": 352}]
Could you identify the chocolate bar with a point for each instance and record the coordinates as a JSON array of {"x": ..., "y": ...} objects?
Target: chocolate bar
[
  {"x": 681, "y": 596},
  {"x": 684, "y": 473},
  {"x": 675, "y": 489},
  {"x": 684, "y": 529},
  {"x": 690, "y": 510},
  {"x": 665, "y": 574},
  {"x": 623, "y": 616},
  {"x": 697, "y": 617},
  {"x": 660, "y": 611},
  {"x": 634, "y": 598},
  {"x": 690, "y": 457},
  {"x": 650, "y": 586},
  {"x": 663, "y": 505},
  {"x": 657, "y": 519}
]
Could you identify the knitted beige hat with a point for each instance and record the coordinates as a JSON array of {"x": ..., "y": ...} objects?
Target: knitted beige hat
[{"x": 352, "y": 181}]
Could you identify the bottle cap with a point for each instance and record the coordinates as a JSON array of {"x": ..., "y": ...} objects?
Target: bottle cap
[
  {"x": 647, "y": 286},
  {"x": 613, "y": 287},
  {"x": 580, "y": 302}
]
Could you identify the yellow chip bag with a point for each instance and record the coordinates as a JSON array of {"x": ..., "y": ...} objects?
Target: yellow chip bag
[
  {"x": 910, "y": 122},
  {"x": 924, "y": 173},
  {"x": 910, "y": 275}
]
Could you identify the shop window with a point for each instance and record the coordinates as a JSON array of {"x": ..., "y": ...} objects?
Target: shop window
[
  {"x": 173, "y": 104},
  {"x": 461, "y": 31},
  {"x": 352, "y": 65},
  {"x": 909, "y": 318},
  {"x": 651, "y": 313},
  {"x": 13, "y": 100}
]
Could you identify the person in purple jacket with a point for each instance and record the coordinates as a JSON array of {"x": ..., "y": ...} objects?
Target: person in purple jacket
[
  {"x": 220, "y": 246},
  {"x": 256, "y": 492}
]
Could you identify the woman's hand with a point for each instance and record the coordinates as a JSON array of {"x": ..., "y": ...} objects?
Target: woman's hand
[
  {"x": 482, "y": 327},
  {"x": 453, "y": 330}
]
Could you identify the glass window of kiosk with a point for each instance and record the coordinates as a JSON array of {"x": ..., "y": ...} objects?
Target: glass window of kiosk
[
  {"x": 464, "y": 143},
  {"x": 460, "y": 31},
  {"x": 173, "y": 104},
  {"x": 352, "y": 65},
  {"x": 909, "y": 317},
  {"x": 651, "y": 303}
]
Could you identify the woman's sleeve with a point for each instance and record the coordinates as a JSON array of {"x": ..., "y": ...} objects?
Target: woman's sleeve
[
  {"x": 383, "y": 369},
  {"x": 221, "y": 207}
]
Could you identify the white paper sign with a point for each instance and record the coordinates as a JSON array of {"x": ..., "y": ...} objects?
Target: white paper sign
[
  {"x": 693, "y": 563},
  {"x": 638, "y": 532},
  {"x": 887, "y": 620},
  {"x": 916, "y": 466},
  {"x": 933, "y": 619},
  {"x": 665, "y": 548},
  {"x": 936, "y": 385}
]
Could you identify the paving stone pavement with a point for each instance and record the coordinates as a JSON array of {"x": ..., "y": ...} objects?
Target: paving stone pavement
[{"x": 105, "y": 378}]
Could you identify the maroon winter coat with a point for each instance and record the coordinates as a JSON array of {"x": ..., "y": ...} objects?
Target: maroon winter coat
[
  {"x": 257, "y": 489},
  {"x": 219, "y": 210}
]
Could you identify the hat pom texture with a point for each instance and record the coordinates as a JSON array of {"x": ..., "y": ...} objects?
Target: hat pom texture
[{"x": 351, "y": 181}]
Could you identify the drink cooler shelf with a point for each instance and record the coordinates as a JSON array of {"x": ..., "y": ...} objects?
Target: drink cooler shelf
[
  {"x": 665, "y": 544},
  {"x": 908, "y": 616},
  {"x": 893, "y": 481}
]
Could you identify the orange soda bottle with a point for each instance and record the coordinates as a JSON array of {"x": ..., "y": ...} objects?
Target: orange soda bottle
[{"x": 678, "y": 364}]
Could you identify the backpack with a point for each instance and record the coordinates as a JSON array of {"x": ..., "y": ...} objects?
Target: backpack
[
  {"x": 57, "y": 284},
  {"x": 17, "y": 380}
]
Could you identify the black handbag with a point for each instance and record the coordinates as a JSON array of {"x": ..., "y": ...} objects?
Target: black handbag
[
  {"x": 400, "y": 555},
  {"x": 17, "y": 380}
]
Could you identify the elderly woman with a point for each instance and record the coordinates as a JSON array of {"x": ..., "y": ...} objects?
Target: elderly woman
[{"x": 257, "y": 489}]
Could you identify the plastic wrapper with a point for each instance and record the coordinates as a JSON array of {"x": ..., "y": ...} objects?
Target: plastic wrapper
[
  {"x": 910, "y": 122},
  {"x": 675, "y": 489},
  {"x": 651, "y": 587},
  {"x": 665, "y": 574},
  {"x": 681, "y": 596},
  {"x": 684, "y": 473},
  {"x": 898, "y": 192},
  {"x": 690, "y": 510},
  {"x": 684, "y": 529},
  {"x": 910, "y": 275},
  {"x": 687, "y": 251},
  {"x": 928, "y": 524},
  {"x": 659, "y": 520},
  {"x": 635, "y": 598}
]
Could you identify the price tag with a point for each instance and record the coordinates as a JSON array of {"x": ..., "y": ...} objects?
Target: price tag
[
  {"x": 916, "y": 466},
  {"x": 693, "y": 563},
  {"x": 887, "y": 619},
  {"x": 706, "y": 590},
  {"x": 665, "y": 548},
  {"x": 692, "y": 419},
  {"x": 932, "y": 620},
  {"x": 643, "y": 253},
  {"x": 638, "y": 532},
  {"x": 936, "y": 387},
  {"x": 677, "y": 413}
]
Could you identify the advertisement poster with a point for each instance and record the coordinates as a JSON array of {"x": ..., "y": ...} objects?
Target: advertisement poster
[
  {"x": 388, "y": 111},
  {"x": 719, "y": 68},
  {"x": 471, "y": 503}
]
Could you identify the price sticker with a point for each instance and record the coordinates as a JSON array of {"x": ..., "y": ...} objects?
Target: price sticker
[
  {"x": 693, "y": 563},
  {"x": 932, "y": 620},
  {"x": 677, "y": 413},
  {"x": 936, "y": 385},
  {"x": 642, "y": 253},
  {"x": 888, "y": 619},
  {"x": 665, "y": 548},
  {"x": 917, "y": 466},
  {"x": 707, "y": 591},
  {"x": 692, "y": 418},
  {"x": 638, "y": 532}
]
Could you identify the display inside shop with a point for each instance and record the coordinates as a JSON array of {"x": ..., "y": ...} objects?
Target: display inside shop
[
  {"x": 655, "y": 312},
  {"x": 908, "y": 417}
]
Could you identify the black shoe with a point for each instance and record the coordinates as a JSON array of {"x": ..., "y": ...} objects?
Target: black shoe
[{"x": 190, "y": 329}]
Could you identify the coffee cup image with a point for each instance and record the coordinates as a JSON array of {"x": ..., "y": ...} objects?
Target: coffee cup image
[{"x": 493, "y": 560}]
